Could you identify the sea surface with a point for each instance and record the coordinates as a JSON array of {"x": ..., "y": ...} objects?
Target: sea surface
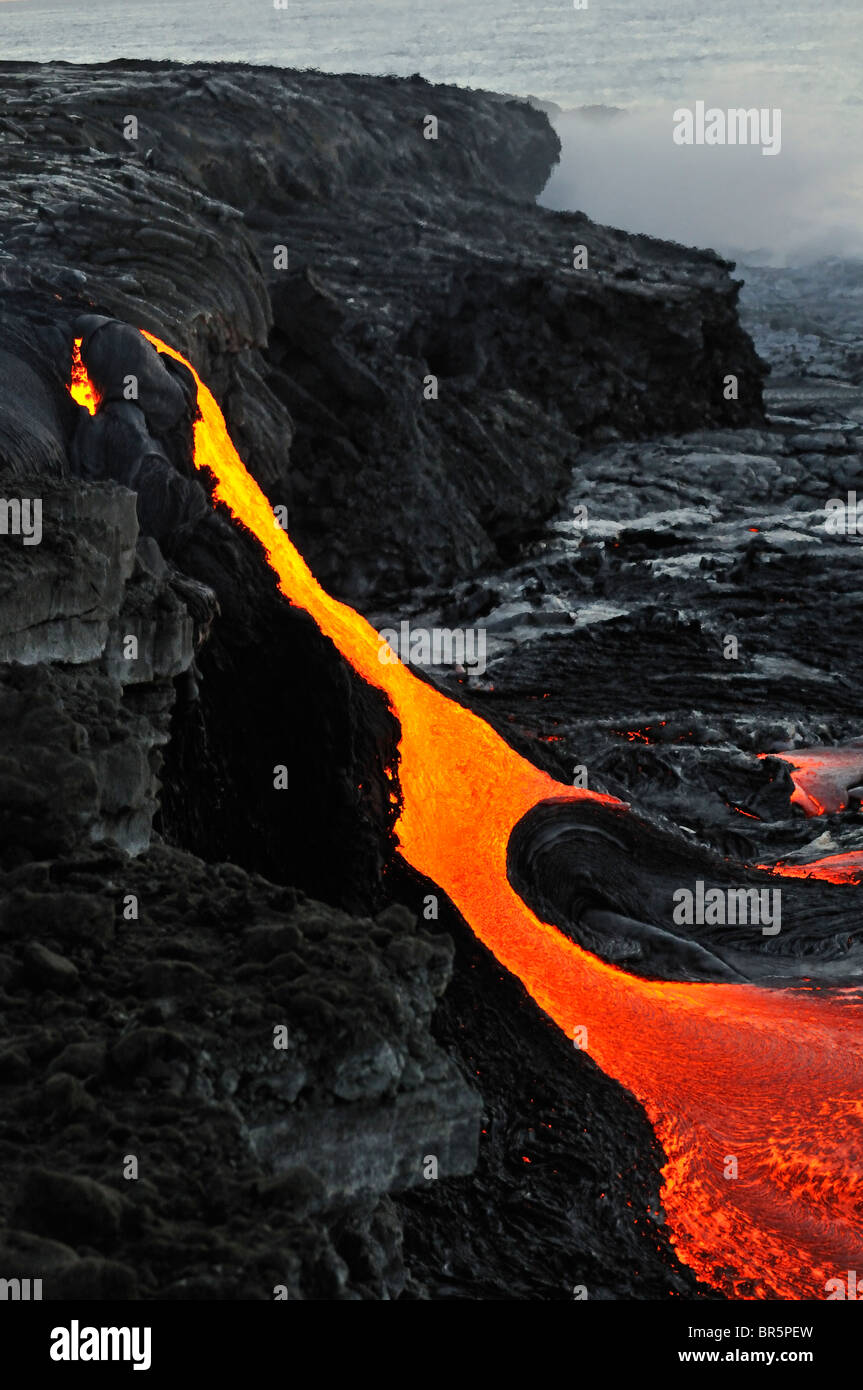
[{"x": 640, "y": 58}]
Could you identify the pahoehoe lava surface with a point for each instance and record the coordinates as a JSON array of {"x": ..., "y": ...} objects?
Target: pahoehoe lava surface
[{"x": 150, "y": 780}]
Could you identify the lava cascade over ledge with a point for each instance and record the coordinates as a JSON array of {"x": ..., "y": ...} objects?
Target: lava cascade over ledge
[{"x": 773, "y": 1078}]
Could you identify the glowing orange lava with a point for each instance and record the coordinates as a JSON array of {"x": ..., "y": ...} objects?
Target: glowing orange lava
[
  {"x": 822, "y": 776},
  {"x": 773, "y": 1079},
  {"x": 81, "y": 388},
  {"x": 836, "y": 868}
]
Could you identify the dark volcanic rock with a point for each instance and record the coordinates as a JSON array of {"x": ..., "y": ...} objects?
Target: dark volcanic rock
[
  {"x": 607, "y": 877},
  {"x": 405, "y": 258},
  {"x": 70, "y": 1207},
  {"x": 318, "y": 259},
  {"x": 170, "y": 1061}
]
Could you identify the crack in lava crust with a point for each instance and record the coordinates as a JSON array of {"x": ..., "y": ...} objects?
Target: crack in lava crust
[{"x": 771, "y": 1077}]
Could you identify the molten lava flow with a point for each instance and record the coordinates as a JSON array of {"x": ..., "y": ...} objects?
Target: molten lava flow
[
  {"x": 772, "y": 1079},
  {"x": 835, "y": 868},
  {"x": 81, "y": 388},
  {"x": 822, "y": 776}
]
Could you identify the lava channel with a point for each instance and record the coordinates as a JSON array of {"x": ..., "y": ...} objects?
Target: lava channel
[{"x": 771, "y": 1078}]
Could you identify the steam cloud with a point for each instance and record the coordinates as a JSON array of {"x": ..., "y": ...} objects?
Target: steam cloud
[{"x": 623, "y": 168}]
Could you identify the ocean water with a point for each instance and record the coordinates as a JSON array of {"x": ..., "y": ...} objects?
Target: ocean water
[{"x": 641, "y": 57}]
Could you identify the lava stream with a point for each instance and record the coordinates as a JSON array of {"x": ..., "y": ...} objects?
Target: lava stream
[
  {"x": 773, "y": 1079},
  {"x": 81, "y": 388}
]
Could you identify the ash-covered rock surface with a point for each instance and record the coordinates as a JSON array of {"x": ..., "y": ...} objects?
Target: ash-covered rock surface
[{"x": 166, "y": 907}]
